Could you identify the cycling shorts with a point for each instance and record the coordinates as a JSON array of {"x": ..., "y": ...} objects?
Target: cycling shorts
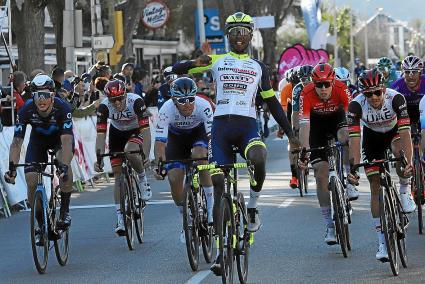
[{"x": 118, "y": 139}]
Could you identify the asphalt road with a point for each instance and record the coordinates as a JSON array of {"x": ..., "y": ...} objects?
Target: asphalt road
[{"x": 289, "y": 248}]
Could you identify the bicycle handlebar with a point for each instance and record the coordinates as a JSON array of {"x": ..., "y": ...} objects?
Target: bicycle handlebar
[
  {"x": 247, "y": 165},
  {"x": 401, "y": 159}
]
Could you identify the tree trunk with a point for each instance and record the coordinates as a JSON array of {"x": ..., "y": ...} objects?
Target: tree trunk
[
  {"x": 55, "y": 8},
  {"x": 269, "y": 46},
  {"x": 28, "y": 23}
]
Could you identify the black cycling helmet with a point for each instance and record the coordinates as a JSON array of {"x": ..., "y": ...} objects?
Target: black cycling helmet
[
  {"x": 42, "y": 82},
  {"x": 305, "y": 71},
  {"x": 183, "y": 87}
]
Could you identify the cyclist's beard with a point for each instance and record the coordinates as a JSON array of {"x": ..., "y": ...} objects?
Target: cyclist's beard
[{"x": 120, "y": 106}]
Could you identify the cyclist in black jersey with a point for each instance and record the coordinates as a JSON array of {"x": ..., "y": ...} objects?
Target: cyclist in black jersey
[{"x": 51, "y": 122}]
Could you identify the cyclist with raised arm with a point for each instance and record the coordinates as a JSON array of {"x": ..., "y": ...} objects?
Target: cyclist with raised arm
[
  {"x": 238, "y": 77},
  {"x": 128, "y": 131},
  {"x": 51, "y": 129},
  {"x": 383, "y": 114},
  {"x": 182, "y": 132},
  {"x": 323, "y": 105},
  {"x": 385, "y": 66},
  {"x": 412, "y": 87}
]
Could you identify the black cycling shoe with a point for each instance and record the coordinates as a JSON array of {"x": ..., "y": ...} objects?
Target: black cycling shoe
[
  {"x": 216, "y": 267},
  {"x": 64, "y": 221}
]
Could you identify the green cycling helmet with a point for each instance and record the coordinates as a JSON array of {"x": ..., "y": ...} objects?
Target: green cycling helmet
[
  {"x": 239, "y": 19},
  {"x": 384, "y": 62}
]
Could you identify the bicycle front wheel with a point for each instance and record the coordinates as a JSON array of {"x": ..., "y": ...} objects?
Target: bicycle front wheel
[
  {"x": 39, "y": 233},
  {"x": 226, "y": 233},
  {"x": 418, "y": 184},
  {"x": 61, "y": 237},
  {"x": 207, "y": 237},
  {"x": 244, "y": 238},
  {"x": 127, "y": 209},
  {"x": 388, "y": 227},
  {"x": 139, "y": 213},
  {"x": 190, "y": 226},
  {"x": 402, "y": 222},
  {"x": 339, "y": 213},
  {"x": 305, "y": 180}
]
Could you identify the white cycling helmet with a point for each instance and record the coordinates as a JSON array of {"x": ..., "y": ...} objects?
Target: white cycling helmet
[
  {"x": 342, "y": 74},
  {"x": 412, "y": 62}
]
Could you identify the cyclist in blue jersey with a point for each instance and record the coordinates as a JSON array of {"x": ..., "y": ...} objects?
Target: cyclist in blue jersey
[
  {"x": 164, "y": 90},
  {"x": 238, "y": 77},
  {"x": 385, "y": 66},
  {"x": 412, "y": 87},
  {"x": 51, "y": 122}
]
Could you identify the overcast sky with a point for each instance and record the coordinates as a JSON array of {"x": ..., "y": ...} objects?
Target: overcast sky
[{"x": 404, "y": 10}]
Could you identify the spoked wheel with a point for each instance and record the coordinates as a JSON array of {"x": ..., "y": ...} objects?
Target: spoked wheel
[
  {"x": 127, "y": 209},
  {"x": 242, "y": 248},
  {"x": 61, "y": 237},
  {"x": 139, "y": 211},
  {"x": 39, "y": 233},
  {"x": 338, "y": 208},
  {"x": 207, "y": 238},
  {"x": 418, "y": 184},
  {"x": 305, "y": 180},
  {"x": 226, "y": 231},
  {"x": 190, "y": 226},
  {"x": 402, "y": 222},
  {"x": 389, "y": 229}
]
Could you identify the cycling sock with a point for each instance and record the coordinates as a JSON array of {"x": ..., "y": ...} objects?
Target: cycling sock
[
  {"x": 294, "y": 171},
  {"x": 347, "y": 169},
  {"x": 253, "y": 199},
  {"x": 142, "y": 177},
  {"x": 326, "y": 213},
  {"x": 65, "y": 200},
  {"x": 209, "y": 194},
  {"x": 118, "y": 209},
  {"x": 404, "y": 186},
  {"x": 377, "y": 226}
]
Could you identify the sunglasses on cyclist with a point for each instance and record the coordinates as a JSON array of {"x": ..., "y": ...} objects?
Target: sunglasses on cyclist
[
  {"x": 116, "y": 99},
  {"x": 42, "y": 95},
  {"x": 411, "y": 72},
  {"x": 377, "y": 93},
  {"x": 320, "y": 85},
  {"x": 242, "y": 31},
  {"x": 185, "y": 100}
]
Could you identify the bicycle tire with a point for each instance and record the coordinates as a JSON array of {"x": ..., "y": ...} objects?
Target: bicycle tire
[
  {"x": 37, "y": 205},
  {"x": 305, "y": 181},
  {"x": 419, "y": 187},
  {"x": 61, "y": 243},
  {"x": 208, "y": 239},
  {"x": 139, "y": 213},
  {"x": 190, "y": 227},
  {"x": 300, "y": 181},
  {"x": 334, "y": 187},
  {"x": 387, "y": 226},
  {"x": 242, "y": 252},
  {"x": 127, "y": 210},
  {"x": 400, "y": 218},
  {"x": 226, "y": 229}
]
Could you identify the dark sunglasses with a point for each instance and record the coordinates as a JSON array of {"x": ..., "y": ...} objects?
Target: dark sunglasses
[
  {"x": 242, "y": 31},
  {"x": 185, "y": 100},
  {"x": 377, "y": 93},
  {"x": 411, "y": 72},
  {"x": 116, "y": 99},
  {"x": 42, "y": 95},
  {"x": 320, "y": 85}
]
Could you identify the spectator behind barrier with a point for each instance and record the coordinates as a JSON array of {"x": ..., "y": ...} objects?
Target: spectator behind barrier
[{"x": 58, "y": 77}]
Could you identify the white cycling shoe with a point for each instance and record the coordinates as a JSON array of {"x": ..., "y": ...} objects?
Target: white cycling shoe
[
  {"x": 352, "y": 192},
  {"x": 382, "y": 253},
  {"x": 120, "y": 229},
  {"x": 407, "y": 202},
  {"x": 330, "y": 237}
]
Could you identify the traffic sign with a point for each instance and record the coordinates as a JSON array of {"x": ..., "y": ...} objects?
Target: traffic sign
[{"x": 103, "y": 42}]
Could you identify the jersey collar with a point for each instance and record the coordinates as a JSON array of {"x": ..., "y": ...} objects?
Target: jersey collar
[{"x": 239, "y": 56}]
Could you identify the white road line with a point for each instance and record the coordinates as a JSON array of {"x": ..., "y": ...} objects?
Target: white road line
[
  {"x": 286, "y": 203},
  {"x": 198, "y": 277}
]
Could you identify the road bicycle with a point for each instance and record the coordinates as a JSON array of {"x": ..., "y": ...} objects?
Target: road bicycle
[{"x": 418, "y": 178}]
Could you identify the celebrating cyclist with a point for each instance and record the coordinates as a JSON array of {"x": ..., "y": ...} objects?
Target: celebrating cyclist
[
  {"x": 323, "y": 105},
  {"x": 412, "y": 87},
  {"x": 182, "y": 132},
  {"x": 238, "y": 77},
  {"x": 51, "y": 129},
  {"x": 129, "y": 131},
  {"x": 382, "y": 113}
]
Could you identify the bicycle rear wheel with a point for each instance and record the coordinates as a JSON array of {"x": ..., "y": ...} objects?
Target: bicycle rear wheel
[
  {"x": 388, "y": 227},
  {"x": 242, "y": 251},
  {"x": 418, "y": 184},
  {"x": 226, "y": 231},
  {"x": 61, "y": 241},
  {"x": 207, "y": 237},
  {"x": 39, "y": 233},
  {"x": 190, "y": 226},
  {"x": 127, "y": 209},
  {"x": 139, "y": 212},
  {"x": 339, "y": 212}
]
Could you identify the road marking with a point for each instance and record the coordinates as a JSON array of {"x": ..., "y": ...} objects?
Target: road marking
[
  {"x": 286, "y": 203},
  {"x": 198, "y": 277}
]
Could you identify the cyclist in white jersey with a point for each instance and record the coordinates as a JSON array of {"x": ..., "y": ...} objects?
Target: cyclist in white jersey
[
  {"x": 386, "y": 125},
  {"x": 128, "y": 131},
  {"x": 182, "y": 132},
  {"x": 238, "y": 77}
]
